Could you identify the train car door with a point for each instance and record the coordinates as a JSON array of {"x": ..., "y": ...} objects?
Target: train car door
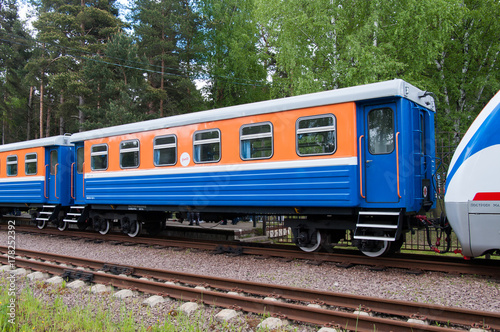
[
  {"x": 78, "y": 174},
  {"x": 52, "y": 169},
  {"x": 381, "y": 150}
]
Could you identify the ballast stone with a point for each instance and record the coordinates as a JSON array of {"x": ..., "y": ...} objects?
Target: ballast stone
[
  {"x": 4, "y": 268},
  {"x": 55, "y": 280},
  {"x": 272, "y": 323},
  {"x": 123, "y": 294},
  {"x": 327, "y": 329},
  {"x": 189, "y": 308},
  {"x": 76, "y": 284},
  {"x": 99, "y": 288},
  {"x": 153, "y": 300},
  {"x": 37, "y": 275},
  {"x": 226, "y": 315},
  {"x": 417, "y": 321},
  {"x": 361, "y": 313},
  {"x": 19, "y": 272}
]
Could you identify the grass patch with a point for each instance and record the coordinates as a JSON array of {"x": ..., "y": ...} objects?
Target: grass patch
[{"x": 34, "y": 312}]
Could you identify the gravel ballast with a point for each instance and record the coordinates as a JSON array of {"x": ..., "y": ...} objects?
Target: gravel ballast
[{"x": 469, "y": 292}]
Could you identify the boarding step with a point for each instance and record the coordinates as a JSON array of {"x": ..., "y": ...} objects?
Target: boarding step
[
  {"x": 48, "y": 213},
  {"x": 76, "y": 213},
  {"x": 378, "y": 225}
]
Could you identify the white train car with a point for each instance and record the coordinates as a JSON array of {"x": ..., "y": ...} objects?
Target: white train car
[{"x": 473, "y": 184}]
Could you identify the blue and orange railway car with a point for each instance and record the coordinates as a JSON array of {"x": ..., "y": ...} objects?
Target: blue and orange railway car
[
  {"x": 358, "y": 159},
  {"x": 35, "y": 175}
]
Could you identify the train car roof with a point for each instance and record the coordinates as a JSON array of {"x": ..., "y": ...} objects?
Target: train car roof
[
  {"x": 47, "y": 141},
  {"x": 393, "y": 88}
]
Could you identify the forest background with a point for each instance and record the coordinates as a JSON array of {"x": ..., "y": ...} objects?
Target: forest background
[{"x": 84, "y": 65}]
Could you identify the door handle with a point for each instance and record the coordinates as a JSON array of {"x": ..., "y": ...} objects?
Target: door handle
[{"x": 369, "y": 161}]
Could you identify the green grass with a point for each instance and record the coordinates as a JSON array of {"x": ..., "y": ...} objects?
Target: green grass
[{"x": 34, "y": 314}]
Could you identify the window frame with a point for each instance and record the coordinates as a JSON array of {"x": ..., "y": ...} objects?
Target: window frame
[
  {"x": 99, "y": 153},
  {"x": 371, "y": 137},
  {"x": 8, "y": 163},
  {"x": 164, "y": 146},
  {"x": 207, "y": 141},
  {"x": 131, "y": 150},
  {"x": 249, "y": 137},
  {"x": 52, "y": 164},
  {"x": 299, "y": 131},
  {"x": 30, "y": 161},
  {"x": 78, "y": 169}
]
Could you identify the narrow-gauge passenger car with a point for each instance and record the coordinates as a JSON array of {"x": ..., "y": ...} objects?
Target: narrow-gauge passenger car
[
  {"x": 358, "y": 159},
  {"x": 36, "y": 174},
  {"x": 473, "y": 185}
]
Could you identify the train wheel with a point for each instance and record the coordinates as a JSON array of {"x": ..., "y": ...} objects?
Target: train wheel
[
  {"x": 106, "y": 227},
  {"x": 41, "y": 224},
  {"x": 101, "y": 225},
  {"x": 315, "y": 243},
  {"x": 375, "y": 248},
  {"x": 62, "y": 225},
  {"x": 135, "y": 228}
]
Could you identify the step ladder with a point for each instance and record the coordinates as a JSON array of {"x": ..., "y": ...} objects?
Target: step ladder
[
  {"x": 378, "y": 225},
  {"x": 75, "y": 214},
  {"x": 48, "y": 213}
]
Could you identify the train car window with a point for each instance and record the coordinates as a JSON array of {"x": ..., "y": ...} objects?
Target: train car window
[
  {"x": 165, "y": 150},
  {"x": 80, "y": 158},
  {"x": 381, "y": 131},
  {"x": 206, "y": 146},
  {"x": 316, "y": 135},
  {"x": 129, "y": 154},
  {"x": 53, "y": 162},
  {"x": 256, "y": 141},
  {"x": 30, "y": 164},
  {"x": 12, "y": 165},
  {"x": 99, "y": 157}
]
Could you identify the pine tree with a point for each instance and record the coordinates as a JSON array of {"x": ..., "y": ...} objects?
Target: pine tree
[
  {"x": 15, "y": 106},
  {"x": 165, "y": 31}
]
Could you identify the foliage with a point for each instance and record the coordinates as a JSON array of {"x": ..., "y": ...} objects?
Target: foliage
[
  {"x": 82, "y": 71},
  {"x": 165, "y": 31},
  {"x": 15, "y": 105},
  {"x": 231, "y": 58}
]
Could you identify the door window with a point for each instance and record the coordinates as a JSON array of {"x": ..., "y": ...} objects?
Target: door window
[
  {"x": 381, "y": 131},
  {"x": 53, "y": 162},
  {"x": 79, "y": 160}
]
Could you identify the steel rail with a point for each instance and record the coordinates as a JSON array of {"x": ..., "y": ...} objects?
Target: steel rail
[
  {"x": 384, "y": 306},
  {"x": 259, "y": 306},
  {"x": 417, "y": 262}
]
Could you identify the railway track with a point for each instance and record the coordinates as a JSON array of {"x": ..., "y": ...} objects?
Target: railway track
[
  {"x": 410, "y": 262},
  {"x": 336, "y": 309}
]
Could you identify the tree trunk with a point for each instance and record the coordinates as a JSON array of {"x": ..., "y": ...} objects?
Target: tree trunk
[{"x": 41, "y": 107}]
